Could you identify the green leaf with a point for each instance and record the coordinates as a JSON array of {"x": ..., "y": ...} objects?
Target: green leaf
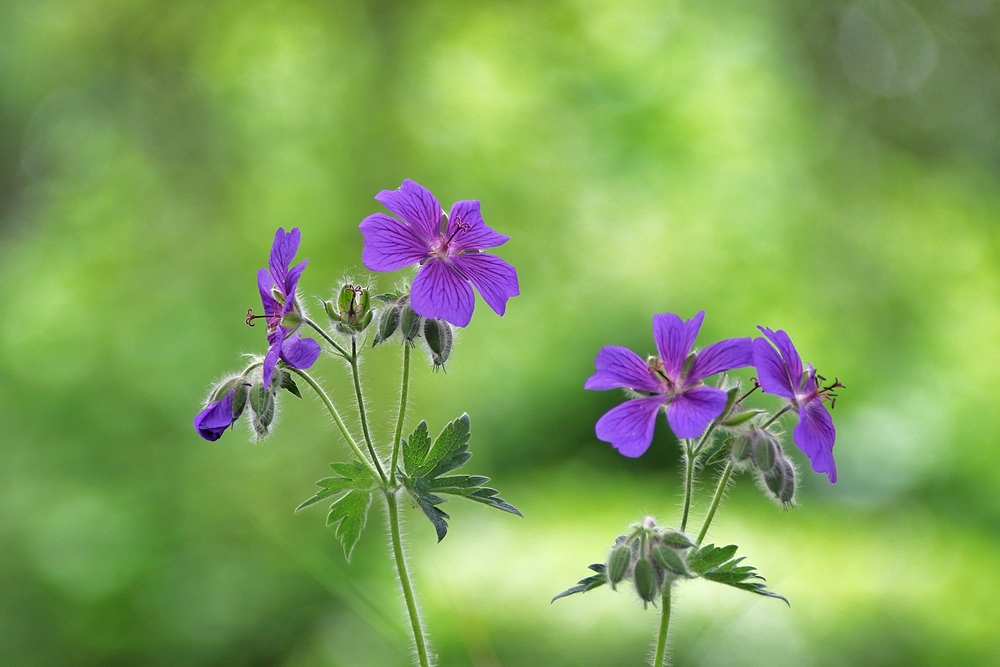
[
  {"x": 587, "y": 584},
  {"x": 349, "y": 515},
  {"x": 715, "y": 564},
  {"x": 351, "y": 475},
  {"x": 424, "y": 464}
]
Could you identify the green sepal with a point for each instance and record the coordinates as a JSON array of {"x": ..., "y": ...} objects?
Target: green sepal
[
  {"x": 388, "y": 297},
  {"x": 676, "y": 540},
  {"x": 240, "y": 395},
  {"x": 716, "y": 564},
  {"x": 742, "y": 418},
  {"x": 645, "y": 581},
  {"x": 669, "y": 559},
  {"x": 409, "y": 323},
  {"x": 224, "y": 388},
  {"x": 332, "y": 313},
  {"x": 349, "y": 514},
  {"x": 586, "y": 584},
  {"x": 717, "y": 451},
  {"x": 262, "y": 405},
  {"x": 288, "y": 384},
  {"x": 424, "y": 465}
]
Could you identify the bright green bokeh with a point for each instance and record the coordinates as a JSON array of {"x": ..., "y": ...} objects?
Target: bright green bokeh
[{"x": 828, "y": 168}]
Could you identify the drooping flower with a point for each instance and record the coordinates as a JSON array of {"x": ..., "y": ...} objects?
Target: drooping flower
[
  {"x": 447, "y": 248},
  {"x": 783, "y": 375},
  {"x": 216, "y": 417},
  {"x": 277, "y": 285},
  {"x": 668, "y": 380}
]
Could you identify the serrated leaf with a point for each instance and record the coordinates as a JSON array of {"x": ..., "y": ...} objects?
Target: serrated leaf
[
  {"x": 587, "y": 584},
  {"x": 349, "y": 514},
  {"x": 424, "y": 463},
  {"x": 729, "y": 571},
  {"x": 710, "y": 556},
  {"x": 351, "y": 475}
]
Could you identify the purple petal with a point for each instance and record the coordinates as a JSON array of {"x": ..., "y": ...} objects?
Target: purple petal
[
  {"x": 292, "y": 280},
  {"x": 439, "y": 291},
  {"x": 771, "y": 371},
  {"x": 299, "y": 352},
  {"x": 674, "y": 339},
  {"x": 479, "y": 236},
  {"x": 391, "y": 244},
  {"x": 621, "y": 368},
  {"x": 691, "y": 412},
  {"x": 215, "y": 418},
  {"x": 417, "y": 206},
  {"x": 629, "y": 426},
  {"x": 722, "y": 356},
  {"x": 788, "y": 353},
  {"x": 815, "y": 435},
  {"x": 283, "y": 251},
  {"x": 264, "y": 284},
  {"x": 495, "y": 279},
  {"x": 276, "y": 338}
]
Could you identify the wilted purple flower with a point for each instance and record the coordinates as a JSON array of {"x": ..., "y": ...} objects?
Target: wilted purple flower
[
  {"x": 668, "y": 380},
  {"x": 277, "y": 285},
  {"x": 216, "y": 417},
  {"x": 447, "y": 249},
  {"x": 784, "y": 376}
]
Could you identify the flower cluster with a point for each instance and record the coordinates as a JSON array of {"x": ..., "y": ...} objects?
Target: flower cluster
[{"x": 674, "y": 381}]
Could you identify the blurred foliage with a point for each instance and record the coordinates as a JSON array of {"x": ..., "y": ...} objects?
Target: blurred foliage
[{"x": 825, "y": 167}]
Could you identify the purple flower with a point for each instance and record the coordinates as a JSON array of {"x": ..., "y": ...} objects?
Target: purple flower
[
  {"x": 447, "y": 248},
  {"x": 216, "y": 417},
  {"x": 277, "y": 285},
  {"x": 668, "y": 380},
  {"x": 784, "y": 376}
]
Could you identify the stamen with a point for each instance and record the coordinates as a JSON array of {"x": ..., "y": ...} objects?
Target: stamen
[
  {"x": 460, "y": 226},
  {"x": 756, "y": 386},
  {"x": 251, "y": 317}
]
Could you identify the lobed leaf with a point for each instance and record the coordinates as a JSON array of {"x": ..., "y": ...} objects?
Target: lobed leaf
[
  {"x": 349, "y": 514},
  {"x": 587, "y": 584}
]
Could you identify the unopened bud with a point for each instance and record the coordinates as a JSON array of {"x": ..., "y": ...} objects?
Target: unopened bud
[
  {"x": 765, "y": 451},
  {"x": 440, "y": 339},
  {"x": 780, "y": 481},
  {"x": 387, "y": 324},
  {"x": 618, "y": 563},
  {"x": 262, "y": 409},
  {"x": 645, "y": 581},
  {"x": 409, "y": 323}
]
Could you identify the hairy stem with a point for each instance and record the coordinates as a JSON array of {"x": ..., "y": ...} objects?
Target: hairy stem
[
  {"x": 404, "y": 579},
  {"x": 353, "y": 359},
  {"x": 403, "y": 391},
  {"x": 775, "y": 416},
  {"x": 688, "y": 483},
  {"x": 720, "y": 490},
  {"x": 333, "y": 413},
  {"x": 329, "y": 339},
  {"x": 661, "y": 660}
]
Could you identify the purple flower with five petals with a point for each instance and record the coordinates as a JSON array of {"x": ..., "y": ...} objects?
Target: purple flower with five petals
[
  {"x": 216, "y": 417},
  {"x": 784, "y": 376},
  {"x": 667, "y": 380},
  {"x": 447, "y": 248},
  {"x": 277, "y": 285}
]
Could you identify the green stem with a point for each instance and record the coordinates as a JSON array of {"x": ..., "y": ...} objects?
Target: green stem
[
  {"x": 333, "y": 413},
  {"x": 661, "y": 659},
  {"x": 720, "y": 490},
  {"x": 404, "y": 579},
  {"x": 688, "y": 483},
  {"x": 353, "y": 359},
  {"x": 403, "y": 391},
  {"x": 704, "y": 436},
  {"x": 329, "y": 339},
  {"x": 775, "y": 416}
]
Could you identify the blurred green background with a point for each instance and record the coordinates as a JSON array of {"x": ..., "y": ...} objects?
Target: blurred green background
[{"x": 830, "y": 168}]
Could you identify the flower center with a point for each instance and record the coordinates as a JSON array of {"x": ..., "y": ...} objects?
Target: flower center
[
  {"x": 439, "y": 247},
  {"x": 822, "y": 393},
  {"x": 659, "y": 371}
]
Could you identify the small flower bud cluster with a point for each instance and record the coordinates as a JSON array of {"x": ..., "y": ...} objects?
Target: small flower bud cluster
[
  {"x": 353, "y": 313},
  {"x": 234, "y": 394},
  {"x": 759, "y": 449},
  {"x": 650, "y": 557},
  {"x": 399, "y": 315}
]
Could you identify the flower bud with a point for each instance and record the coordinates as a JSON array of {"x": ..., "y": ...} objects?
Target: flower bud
[
  {"x": 780, "y": 481},
  {"x": 261, "y": 409},
  {"x": 387, "y": 324},
  {"x": 409, "y": 323},
  {"x": 618, "y": 562},
  {"x": 645, "y": 581},
  {"x": 740, "y": 450},
  {"x": 764, "y": 451},
  {"x": 440, "y": 338}
]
